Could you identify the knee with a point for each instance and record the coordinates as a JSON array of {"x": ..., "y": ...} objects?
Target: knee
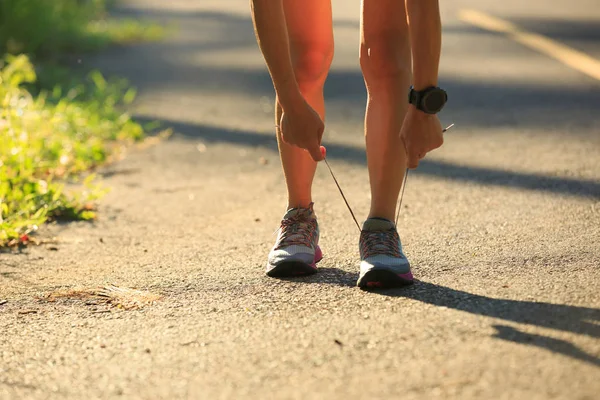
[
  {"x": 311, "y": 64},
  {"x": 385, "y": 58}
]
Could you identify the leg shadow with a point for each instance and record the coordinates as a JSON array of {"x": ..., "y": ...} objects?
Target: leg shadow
[
  {"x": 580, "y": 320},
  {"x": 328, "y": 276},
  {"x": 555, "y": 345}
]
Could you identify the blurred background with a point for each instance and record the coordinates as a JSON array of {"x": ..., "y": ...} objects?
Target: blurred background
[{"x": 524, "y": 115}]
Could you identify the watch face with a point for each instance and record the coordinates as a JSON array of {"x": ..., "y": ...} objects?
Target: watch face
[{"x": 435, "y": 100}]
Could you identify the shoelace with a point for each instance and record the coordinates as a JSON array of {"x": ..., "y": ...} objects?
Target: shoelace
[
  {"x": 380, "y": 242},
  {"x": 401, "y": 192},
  {"x": 297, "y": 230}
]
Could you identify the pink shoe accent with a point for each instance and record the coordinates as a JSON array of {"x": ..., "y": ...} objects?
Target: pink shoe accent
[
  {"x": 407, "y": 277},
  {"x": 318, "y": 257}
]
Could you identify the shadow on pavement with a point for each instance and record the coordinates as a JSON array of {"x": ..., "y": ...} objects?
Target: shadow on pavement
[
  {"x": 329, "y": 276},
  {"x": 511, "y": 334},
  {"x": 441, "y": 169},
  {"x": 547, "y": 315},
  {"x": 580, "y": 320}
]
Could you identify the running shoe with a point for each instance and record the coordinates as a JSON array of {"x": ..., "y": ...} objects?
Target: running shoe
[
  {"x": 296, "y": 251},
  {"x": 383, "y": 265}
]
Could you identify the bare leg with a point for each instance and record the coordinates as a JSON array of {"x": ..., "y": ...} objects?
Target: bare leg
[
  {"x": 385, "y": 60},
  {"x": 311, "y": 40}
]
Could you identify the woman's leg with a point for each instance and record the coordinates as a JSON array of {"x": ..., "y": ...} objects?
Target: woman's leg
[
  {"x": 385, "y": 59},
  {"x": 311, "y": 42},
  {"x": 296, "y": 251}
]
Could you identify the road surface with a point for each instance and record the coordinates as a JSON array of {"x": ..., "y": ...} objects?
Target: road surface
[{"x": 502, "y": 226}]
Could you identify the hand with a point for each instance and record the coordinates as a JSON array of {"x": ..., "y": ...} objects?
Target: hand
[
  {"x": 301, "y": 126},
  {"x": 420, "y": 134}
]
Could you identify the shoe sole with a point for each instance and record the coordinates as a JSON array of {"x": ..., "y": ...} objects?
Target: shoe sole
[
  {"x": 292, "y": 268},
  {"x": 295, "y": 268},
  {"x": 384, "y": 279}
]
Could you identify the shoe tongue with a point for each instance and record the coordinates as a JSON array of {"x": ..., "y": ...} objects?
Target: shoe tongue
[
  {"x": 292, "y": 212},
  {"x": 302, "y": 216},
  {"x": 378, "y": 224}
]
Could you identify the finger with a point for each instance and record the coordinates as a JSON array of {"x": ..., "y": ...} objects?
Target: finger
[
  {"x": 404, "y": 145},
  {"x": 284, "y": 131},
  {"x": 287, "y": 140},
  {"x": 320, "y": 132},
  {"x": 316, "y": 153},
  {"x": 323, "y": 152},
  {"x": 413, "y": 162}
]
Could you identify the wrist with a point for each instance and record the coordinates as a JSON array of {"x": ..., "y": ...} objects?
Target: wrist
[
  {"x": 288, "y": 95},
  {"x": 416, "y": 113},
  {"x": 422, "y": 85}
]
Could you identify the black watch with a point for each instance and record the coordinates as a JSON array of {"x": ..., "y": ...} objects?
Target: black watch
[{"x": 430, "y": 100}]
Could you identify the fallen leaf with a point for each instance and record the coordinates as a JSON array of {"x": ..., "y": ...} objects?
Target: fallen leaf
[{"x": 128, "y": 299}]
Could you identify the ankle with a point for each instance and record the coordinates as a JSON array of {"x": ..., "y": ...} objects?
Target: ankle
[
  {"x": 382, "y": 214},
  {"x": 299, "y": 203}
]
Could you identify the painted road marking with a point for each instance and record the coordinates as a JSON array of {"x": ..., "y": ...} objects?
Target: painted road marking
[{"x": 566, "y": 55}]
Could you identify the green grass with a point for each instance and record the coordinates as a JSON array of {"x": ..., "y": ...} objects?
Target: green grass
[
  {"x": 55, "y": 127},
  {"x": 122, "y": 31},
  {"x": 45, "y": 28},
  {"x": 51, "y": 139}
]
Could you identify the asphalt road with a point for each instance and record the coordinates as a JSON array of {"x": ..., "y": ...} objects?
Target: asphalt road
[{"x": 502, "y": 226}]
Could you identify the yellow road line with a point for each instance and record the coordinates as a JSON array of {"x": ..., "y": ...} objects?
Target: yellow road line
[{"x": 566, "y": 55}]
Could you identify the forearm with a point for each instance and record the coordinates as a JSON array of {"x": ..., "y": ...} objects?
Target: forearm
[
  {"x": 426, "y": 41},
  {"x": 271, "y": 33}
]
